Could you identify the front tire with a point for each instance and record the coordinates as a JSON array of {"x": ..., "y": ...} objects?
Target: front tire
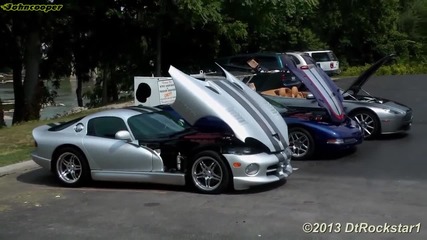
[
  {"x": 71, "y": 167},
  {"x": 301, "y": 143},
  {"x": 368, "y": 121},
  {"x": 209, "y": 173}
]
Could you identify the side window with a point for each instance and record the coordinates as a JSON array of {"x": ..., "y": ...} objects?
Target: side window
[
  {"x": 271, "y": 63},
  {"x": 240, "y": 61},
  {"x": 105, "y": 127},
  {"x": 321, "y": 57},
  {"x": 296, "y": 60},
  {"x": 308, "y": 59}
]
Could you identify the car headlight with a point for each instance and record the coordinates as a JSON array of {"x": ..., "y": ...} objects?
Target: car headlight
[
  {"x": 242, "y": 150},
  {"x": 391, "y": 111},
  {"x": 252, "y": 169},
  {"x": 335, "y": 141}
]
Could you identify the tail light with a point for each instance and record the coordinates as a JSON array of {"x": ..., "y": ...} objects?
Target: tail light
[
  {"x": 283, "y": 77},
  {"x": 331, "y": 65},
  {"x": 304, "y": 67}
]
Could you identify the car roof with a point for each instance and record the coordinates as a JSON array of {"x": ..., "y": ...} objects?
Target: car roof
[
  {"x": 124, "y": 112},
  {"x": 318, "y": 51},
  {"x": 295, "y": 52},
  {"x": 254, "y": 53}
]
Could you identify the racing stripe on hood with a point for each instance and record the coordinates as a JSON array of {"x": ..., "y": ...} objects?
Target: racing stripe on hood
[
  {"x": 274, "y": 128},
  {"x": 273, "y": 117},
  {"x": 325, "y": 91},
  {"x": 281, "y": 158},
  {"x": 327, "y": 96},
  {"x": 254, "y": 111},
  {"x": 275, "y": 131},
  {"x": 196, "y": 99}
]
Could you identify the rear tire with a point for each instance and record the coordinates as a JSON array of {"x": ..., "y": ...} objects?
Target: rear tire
[
  {"x": 301, "y": 143},
  {"x": 70, "y": 167},
  {"x": 209, "y": 173}
]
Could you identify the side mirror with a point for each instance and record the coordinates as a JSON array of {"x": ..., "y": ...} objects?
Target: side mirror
[
  {"x": 123, "y": 135},
  {"x": 310, "y": 96}
]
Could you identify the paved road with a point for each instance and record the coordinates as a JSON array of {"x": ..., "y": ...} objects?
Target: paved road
[{"x": 384, "y": 181}]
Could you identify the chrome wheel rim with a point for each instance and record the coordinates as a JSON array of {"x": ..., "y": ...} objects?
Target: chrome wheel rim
[
  {"x": 366, "y": 122},
  {"x": 299, "y": 143},
  {"x": 69, "y": 167},
  {"x": 207, "y": 173}
]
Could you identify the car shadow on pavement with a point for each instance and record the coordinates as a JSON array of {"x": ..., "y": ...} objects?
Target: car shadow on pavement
[
  {"x": 388, "y": 137},
  {"x": 330, "y": 156},
  {"x": 259, "y": 189},
  {"x": 39, "y": 177},
  {"x": 46, "y": 179}
]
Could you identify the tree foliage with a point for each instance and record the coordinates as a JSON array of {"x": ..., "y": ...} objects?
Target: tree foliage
[{"x": 119, "y": 39}]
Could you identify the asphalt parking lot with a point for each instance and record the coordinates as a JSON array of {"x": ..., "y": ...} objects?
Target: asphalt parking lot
[{"x": 382, "y": 183}]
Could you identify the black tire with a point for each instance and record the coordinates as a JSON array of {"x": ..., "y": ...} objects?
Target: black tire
[
  {"x": 215, "y": 167},
  {"x": 70, "y": 167},
  {"x": 301, "y": 143},
  {"x": 368, "y": 121}
]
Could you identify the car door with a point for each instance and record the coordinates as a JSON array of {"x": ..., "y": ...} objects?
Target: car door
[{"x": 110, "y": 154}]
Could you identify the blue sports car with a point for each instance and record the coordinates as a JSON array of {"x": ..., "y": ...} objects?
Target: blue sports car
[{"x": 309, "y": 132}]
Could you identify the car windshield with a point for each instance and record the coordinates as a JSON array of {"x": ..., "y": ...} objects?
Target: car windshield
[
  {"x": 278, "y": 106},
  {"x": 156, "y": 125}
]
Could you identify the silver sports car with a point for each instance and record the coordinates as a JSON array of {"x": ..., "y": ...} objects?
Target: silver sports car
[
  {"x": 375, "y": 115},
  {"x": 146, "y": 144}
]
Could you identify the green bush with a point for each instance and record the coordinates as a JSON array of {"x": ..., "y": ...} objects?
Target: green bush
[{"x": 394, "y": 69}]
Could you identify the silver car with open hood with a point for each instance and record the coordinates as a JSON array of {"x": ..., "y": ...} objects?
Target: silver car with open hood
[
  {"x": 148, "y": 144},
  {"x": 374, "y": 114}
]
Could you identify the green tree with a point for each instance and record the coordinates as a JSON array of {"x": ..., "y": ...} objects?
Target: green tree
[
  {"x": 22, "y": 35},
  {"x": 274, "y": 25},
  {"x": 413, "y": 23},
  {"x": 360, "y": 30}
]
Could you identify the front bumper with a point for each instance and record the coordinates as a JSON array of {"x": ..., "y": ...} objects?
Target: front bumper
[
  {"x": 333, "y": 72},
  {"x": 43, "y": 162},
  {"x": 272, "y": 168},
  {"x": 396, "y": 123}
]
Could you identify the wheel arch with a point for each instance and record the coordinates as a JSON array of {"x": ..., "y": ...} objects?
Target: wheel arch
[
  {"x": 58, "y": 150},
  {"x": 312, "y": 137},
  {"x": 366, "y": 109},
  {"x": 303, "y": 126},
  {"x": 210, "y": 147}
]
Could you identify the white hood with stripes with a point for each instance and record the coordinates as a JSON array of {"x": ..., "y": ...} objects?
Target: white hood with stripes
[{"x": 248, "y": 114}]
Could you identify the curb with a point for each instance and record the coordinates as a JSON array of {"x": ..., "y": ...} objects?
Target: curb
[{"x": 17, "y": 167}]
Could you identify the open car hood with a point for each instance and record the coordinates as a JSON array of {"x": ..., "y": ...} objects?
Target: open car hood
[
  {"x": 363, "y": 78},
  {"x": 251, "y": 118},
  {"x": 322, "y": 87}
]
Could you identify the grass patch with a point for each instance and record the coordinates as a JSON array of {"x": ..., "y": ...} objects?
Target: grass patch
[
  {"x": 15, "y": 156},
  {"x": 394, "y": 69},
  {"x": 16, "y": 142}
]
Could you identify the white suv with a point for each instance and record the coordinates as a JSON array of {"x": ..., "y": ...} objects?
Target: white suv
[
  {"x": 302, "y": 60},
  {"x": 327, "y": 60}
]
